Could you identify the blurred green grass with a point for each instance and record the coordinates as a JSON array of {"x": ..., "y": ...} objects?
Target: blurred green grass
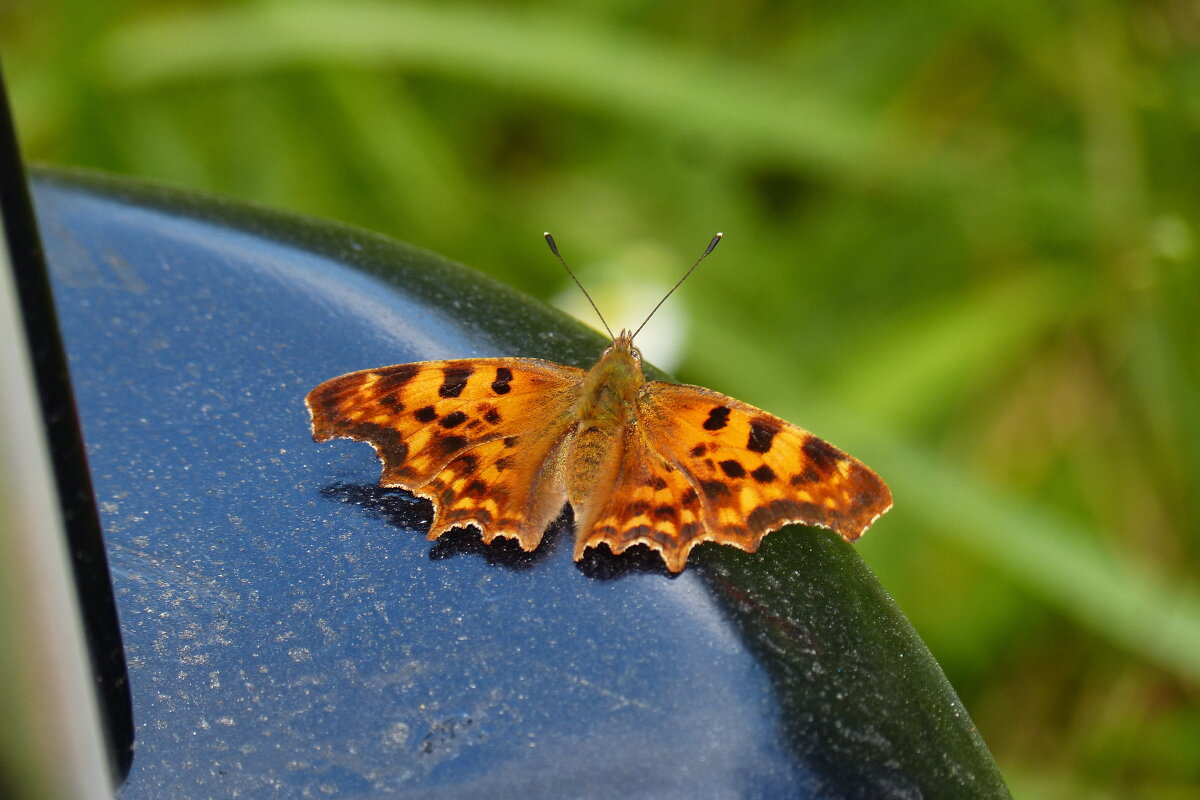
[{"x": 961, "y": 243}]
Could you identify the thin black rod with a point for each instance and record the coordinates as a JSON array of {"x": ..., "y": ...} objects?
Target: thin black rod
[
  {"x": 554, "y": 249},
  {"x": 711, "y": 246}
]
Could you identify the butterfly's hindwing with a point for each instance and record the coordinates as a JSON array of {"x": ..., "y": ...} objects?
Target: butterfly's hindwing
[{"x": 651, "y": 502}]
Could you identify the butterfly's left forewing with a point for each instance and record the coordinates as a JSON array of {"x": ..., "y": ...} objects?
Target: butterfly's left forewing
[{"x": 481, "y": 438}]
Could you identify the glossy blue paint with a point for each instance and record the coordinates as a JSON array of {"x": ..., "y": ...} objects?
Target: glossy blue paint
[{"x": 291, "y": 632}]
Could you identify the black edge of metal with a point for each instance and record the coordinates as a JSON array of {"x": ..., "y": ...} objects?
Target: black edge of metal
[{"x": 72, "y": 476}]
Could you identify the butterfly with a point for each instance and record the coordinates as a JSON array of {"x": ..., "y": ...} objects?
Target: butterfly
[{"x": 504, "y": 443}]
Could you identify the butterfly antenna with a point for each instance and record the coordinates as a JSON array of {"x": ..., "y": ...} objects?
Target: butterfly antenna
[
  {"x": 558, "y": 255},
  {"x": 716, "y": 240}
]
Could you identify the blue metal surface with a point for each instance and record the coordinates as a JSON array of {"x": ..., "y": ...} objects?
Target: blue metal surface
[{"x": 290, "y": 631}]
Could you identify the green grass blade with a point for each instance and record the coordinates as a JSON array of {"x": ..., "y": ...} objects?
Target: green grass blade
[{"x": 570, "y": 60}]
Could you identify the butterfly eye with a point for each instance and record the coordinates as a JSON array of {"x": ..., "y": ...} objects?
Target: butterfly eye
[{"x": 637, "y": 354}]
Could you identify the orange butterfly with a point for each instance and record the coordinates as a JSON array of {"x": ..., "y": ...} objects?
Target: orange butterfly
[{"x": 503, "y": 443}]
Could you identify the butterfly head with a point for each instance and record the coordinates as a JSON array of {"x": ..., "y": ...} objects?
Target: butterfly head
[
  {"x": 621, "y": 361},
  {"x": 623, "y": 343}
]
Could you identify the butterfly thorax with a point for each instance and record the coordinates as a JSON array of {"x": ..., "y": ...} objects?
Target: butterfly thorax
[
  {"x": 606, "y": 406},
  {"x": 612, "y": 385}
]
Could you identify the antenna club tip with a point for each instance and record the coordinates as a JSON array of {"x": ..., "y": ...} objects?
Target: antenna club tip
[
  {"x": 545, "y": 233},
  {"x": 719, "y": 234}
]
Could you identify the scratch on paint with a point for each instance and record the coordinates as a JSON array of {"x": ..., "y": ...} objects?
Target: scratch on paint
[{"x": 621, "y": 700}]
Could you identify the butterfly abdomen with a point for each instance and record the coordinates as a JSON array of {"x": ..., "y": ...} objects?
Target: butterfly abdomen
[{"x": 605, "y": 412}]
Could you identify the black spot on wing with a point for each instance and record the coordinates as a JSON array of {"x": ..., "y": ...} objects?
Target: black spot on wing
[
  {"x": 395, "y": 378},
  {"x": 732, "y": 468},
  {"x": 824, "y": 455},
  {"x": 453, "y": 419},
  {"x": 665, "y": 512},
  {"x": 426, "y": 414},
  {"x": 861, "y": 501},
  {"x": 454, "y": 381},
  {"x": 809, "y": 475},
  {"x": 492, "y": 415},
  {"x": 325, "y": 396},
  {"x": 466, "y": 464},
  {"x": 717, "y": 418},
  {"x": 762, "y": 431},
  {"x": 763, "y": 474},
  {"x": 391, "y": 402},
  {"x": 451, "y": 444},
  {"x": 387, "y": 440},
  {"x": 504, "y": 377},
  {"x": 714, "y": 489},
  {"x": 699, "y": 450}
]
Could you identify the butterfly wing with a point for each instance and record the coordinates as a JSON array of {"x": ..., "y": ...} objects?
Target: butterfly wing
[
  {"x": 735, "y": 473},
  {"x": 479, "y": 437},
  {"x": 652, "y": 502}
]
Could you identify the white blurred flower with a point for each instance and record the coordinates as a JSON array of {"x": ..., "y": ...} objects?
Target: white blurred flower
[{"x": 625, "y": 289}]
